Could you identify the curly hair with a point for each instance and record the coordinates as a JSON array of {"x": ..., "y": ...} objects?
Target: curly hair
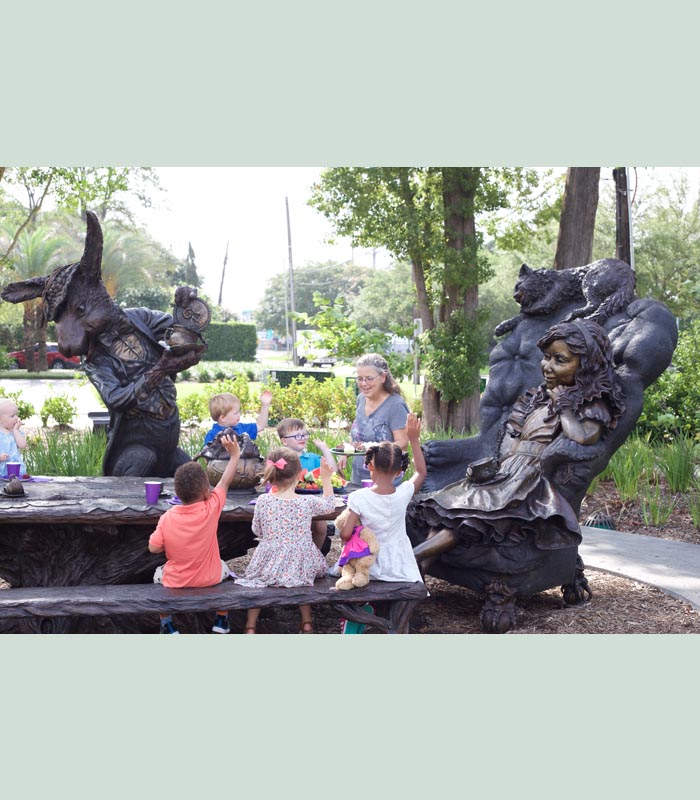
[
  {"x": 387, "y": 457},
  {"x": 595, "y": 377},
  {"x": 191, "y": 483}
]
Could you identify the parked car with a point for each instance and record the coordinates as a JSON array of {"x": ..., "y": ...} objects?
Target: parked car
[{"x": 54, "y": 358}]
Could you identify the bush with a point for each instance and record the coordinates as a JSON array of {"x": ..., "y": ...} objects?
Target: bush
[
  {"x": 672, "y": 404},
  {"x": 230, "y": 341},
  {"x": 61, "y": 408},
  {"x": 316, "y": 402},
  {"x": 24, "y": 409}
]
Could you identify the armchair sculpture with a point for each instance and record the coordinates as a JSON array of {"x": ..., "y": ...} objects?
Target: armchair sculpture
[{"x": 514, "y": 561}]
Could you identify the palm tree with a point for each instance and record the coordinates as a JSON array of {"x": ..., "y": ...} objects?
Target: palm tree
[{"x": 36, "y": 252}]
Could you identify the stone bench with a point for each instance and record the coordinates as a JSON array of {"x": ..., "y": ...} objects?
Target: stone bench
[{"x": 85, "y": 600}]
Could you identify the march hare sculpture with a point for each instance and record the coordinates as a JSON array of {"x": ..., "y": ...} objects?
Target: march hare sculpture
[
  {"x": 517, "y": 533},
  {"x": 127, "y": 354}
]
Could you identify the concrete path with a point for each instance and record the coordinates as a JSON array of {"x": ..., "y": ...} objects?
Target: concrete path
[
  {"x": 36, "y": 391},
  {"x": 674, "y": 567}
]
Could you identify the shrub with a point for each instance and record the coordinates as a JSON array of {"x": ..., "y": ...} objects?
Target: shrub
[
  {"x": 672, "y": 404},
  {"x": 194, "y": 409},
  {"x": 24, "y": 409},
  {"x": 61, "y": 408},
  {"x": 318, "y": 403},
  {"x": 230, "y": 341}
]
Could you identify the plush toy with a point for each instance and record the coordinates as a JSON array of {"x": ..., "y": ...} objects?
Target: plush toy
[{"x": 358, "y": 555}]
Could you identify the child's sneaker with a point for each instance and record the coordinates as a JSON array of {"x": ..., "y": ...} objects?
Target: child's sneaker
[
  {"x": 168, "y": 627},
  {"x": 221, "y": 624}
]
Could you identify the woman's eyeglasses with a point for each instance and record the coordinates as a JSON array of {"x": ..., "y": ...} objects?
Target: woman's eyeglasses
[
  {"x": 366, "y": 380},
  {"x": 299, "y": 437}
]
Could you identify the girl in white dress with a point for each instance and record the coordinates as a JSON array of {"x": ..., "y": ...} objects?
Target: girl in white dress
[{"x": 382, "y": 507}]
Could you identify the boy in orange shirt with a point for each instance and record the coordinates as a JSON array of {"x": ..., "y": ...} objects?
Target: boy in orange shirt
[{"x": 187, "y": 533}]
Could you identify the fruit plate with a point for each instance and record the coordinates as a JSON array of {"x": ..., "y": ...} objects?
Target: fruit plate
[{"x": 338, "y": 452}]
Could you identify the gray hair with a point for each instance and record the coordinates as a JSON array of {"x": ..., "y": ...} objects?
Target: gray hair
[{"x": 382, "y": 366}]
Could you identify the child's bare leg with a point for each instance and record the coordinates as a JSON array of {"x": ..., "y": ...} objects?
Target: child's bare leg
[
  {"x": 319, "y": 529},
  {"x": 306, "y": 624},
  {"x": 251, "y": 620}
]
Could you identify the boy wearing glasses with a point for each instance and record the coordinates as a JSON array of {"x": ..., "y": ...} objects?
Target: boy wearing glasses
[{"x": 293, "y": 434}]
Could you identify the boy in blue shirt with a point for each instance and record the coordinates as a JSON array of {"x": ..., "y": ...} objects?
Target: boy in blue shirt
[
  {"x": 293, "y": 434},
  {"x": 225, "y": 410}
]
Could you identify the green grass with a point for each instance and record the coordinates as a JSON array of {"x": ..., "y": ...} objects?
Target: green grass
[
  {"x": 631, "y": 467},
  {"x": 58, "y": 452},
  {"x": 49, "y": 374},
  {"x": 676, "y": 461},
  {"x": 656, "y": 505}
]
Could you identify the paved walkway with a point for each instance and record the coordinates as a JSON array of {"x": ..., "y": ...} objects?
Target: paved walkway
[{"x": 673, "y": 567}]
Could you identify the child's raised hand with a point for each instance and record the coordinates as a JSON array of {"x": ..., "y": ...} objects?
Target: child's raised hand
[
  {"x": 326, "y": 468},
  {"x": 231, "y": 445},
  {"x": 413, "y": 427},
  {"x": 266, "y": 397}
]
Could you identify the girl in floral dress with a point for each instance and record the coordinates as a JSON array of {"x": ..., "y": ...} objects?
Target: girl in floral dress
[{"x": 287, "y": 555}]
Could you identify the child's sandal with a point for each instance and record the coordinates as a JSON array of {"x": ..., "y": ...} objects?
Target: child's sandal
[{"x": 306, "y": 627}]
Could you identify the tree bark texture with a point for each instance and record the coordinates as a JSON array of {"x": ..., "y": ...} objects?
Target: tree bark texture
[
  {"x": 577, "y": 222},
  {"x": 461, "y": 289}
]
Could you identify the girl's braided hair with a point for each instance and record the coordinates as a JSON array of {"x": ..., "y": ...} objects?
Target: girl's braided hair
[{"x": 387, "y": 457}]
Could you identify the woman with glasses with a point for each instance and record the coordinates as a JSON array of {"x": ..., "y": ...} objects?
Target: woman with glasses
[{"x": 381, "y": 412}]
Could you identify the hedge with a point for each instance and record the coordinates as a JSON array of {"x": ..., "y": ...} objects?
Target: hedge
[{"x": 230, "y": 341}]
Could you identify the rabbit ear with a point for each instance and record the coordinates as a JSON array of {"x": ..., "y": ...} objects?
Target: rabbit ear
[
  {"x": 91, "y": 260},
  {"x": 24, "y": 290}
]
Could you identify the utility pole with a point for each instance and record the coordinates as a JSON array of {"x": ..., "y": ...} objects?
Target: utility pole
[
  {"x": 286, "y": 321},
  {"x": 624, "y": 249},
  {"x": 291, "y": 286},
  {"x": 223, "y": 272}
]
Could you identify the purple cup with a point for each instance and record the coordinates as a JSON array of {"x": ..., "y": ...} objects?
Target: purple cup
[
  {"x": 13, "y": 468},
  {"x": 367, "y": 484},
  {"x": 152, "y": 491}
]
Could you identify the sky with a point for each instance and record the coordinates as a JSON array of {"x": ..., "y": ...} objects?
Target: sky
[{"x": 244, "y": 206}]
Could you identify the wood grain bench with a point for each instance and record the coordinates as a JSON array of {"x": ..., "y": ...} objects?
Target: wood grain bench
[{"x": 84, "y": 600}]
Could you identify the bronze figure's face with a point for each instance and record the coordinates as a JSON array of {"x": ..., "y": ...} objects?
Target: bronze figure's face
[{"x": 559, "y": 364}]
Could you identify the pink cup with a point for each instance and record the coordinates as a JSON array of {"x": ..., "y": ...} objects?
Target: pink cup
[
  {"x": 152, "y": 491},
  {"x": 13, "y": 469}
]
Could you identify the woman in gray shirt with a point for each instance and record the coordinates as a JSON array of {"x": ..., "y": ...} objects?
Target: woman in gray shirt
[{"x": 381, "y": 410}]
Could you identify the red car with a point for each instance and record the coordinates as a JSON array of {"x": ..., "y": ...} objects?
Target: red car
[{"x": 54, "y": 358}]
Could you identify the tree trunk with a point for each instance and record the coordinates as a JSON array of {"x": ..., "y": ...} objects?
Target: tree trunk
[
  {"x": 34, "y": 331},
  {"x": 461, "y": 290},
  {"x": 577, "y": 222}
]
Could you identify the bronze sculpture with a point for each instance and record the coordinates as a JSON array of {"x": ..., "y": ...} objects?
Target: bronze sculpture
[
  {"x": 505, "y": 556},
  {"x": 127, "y": 354}
]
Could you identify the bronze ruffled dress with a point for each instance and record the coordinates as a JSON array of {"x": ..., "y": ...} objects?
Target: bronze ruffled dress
[{"x": 520, "y": 502}]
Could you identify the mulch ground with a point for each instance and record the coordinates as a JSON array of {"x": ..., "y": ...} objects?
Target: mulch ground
[{"x": 618, "y": 605}]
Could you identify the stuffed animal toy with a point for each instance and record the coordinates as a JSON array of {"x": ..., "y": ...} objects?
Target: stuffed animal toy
[{"x": 358, "y": 555}]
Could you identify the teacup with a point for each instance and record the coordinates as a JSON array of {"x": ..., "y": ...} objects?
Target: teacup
[
  {"x": 482, "y": 470},
  {"x": 153, "y": 489}
]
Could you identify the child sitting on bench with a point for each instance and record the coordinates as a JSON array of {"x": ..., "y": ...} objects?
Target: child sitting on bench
[{"x": 187, "y": 534}]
